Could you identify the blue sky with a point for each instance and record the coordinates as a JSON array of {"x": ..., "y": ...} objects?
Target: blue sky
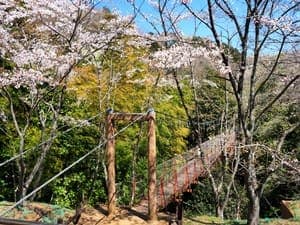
[
  {"x": 186, "y": 27},
  {"x": 224, "y": 27},
  {"x": 125, "y": 8}
]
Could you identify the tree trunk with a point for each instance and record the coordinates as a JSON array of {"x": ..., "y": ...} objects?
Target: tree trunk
[
  {"x": 220, "y": 211},
  {"x": 253, "y": 190},
  {"x": 22, "y": 171},
  {"x": 253, "y": 210}
]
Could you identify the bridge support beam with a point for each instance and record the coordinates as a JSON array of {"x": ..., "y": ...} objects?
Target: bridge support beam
[
  {"x": 111, "y": 161},
  {"x": 152, "y": 197}
]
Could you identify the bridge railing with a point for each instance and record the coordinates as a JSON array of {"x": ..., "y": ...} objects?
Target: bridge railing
[{"x": 175, "y": 175}]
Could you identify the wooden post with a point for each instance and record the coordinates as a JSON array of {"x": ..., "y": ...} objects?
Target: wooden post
[
  {"x": 111, "y": 158},
  {"x": 179, "y": 212},
  {"x": 110, "y": 154},
  {"x": 152, "y": 197}
]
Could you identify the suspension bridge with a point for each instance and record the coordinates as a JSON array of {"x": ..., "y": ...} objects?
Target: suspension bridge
[
  {"x": 171, "y": 178},
  {"x": 166, "y": 181},
  {"x": 176, "y": 175}
]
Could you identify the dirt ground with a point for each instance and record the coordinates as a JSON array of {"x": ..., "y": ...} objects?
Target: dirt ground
[
  {"x": 91, "y": 216},
  {"x": 41, "y": 212}
]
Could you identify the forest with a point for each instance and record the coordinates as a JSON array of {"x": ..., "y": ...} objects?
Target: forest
[{"x": 65, "y": 63}]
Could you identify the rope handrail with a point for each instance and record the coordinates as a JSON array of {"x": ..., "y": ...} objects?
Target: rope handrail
[
  {"x": 178, "y": 173},
  {"x": 192, "y": 153}
]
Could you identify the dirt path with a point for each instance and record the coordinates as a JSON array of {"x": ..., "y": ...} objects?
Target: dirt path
[
  {"x": 92, "y": 216},
  {"x": 40, "y": 212}
]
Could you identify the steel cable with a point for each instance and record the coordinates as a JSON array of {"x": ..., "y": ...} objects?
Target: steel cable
[{"x": 66, "y": 169}]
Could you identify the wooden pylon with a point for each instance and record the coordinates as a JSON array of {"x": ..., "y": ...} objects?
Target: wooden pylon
[
  {"x": 110, "y": 157},
  {"x": 111, "y": 161},
  {"x": 152, "y": 197}
]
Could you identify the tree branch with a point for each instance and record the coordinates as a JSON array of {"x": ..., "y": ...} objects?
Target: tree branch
[
  {"x": 277, "y": 97},
  {"x": 284, "y": 135}
]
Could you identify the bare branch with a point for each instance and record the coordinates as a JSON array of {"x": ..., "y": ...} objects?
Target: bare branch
[
  {"x": 277, "y": 97},
  {"x": 285, "y": 134}
]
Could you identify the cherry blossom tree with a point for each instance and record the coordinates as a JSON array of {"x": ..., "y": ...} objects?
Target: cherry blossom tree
[
  {"x": 176, "y": 55},
  {"x": 44, "y": 41},
  {"x": 256, "y": 28},
  {"x": 259, "y": 30}
]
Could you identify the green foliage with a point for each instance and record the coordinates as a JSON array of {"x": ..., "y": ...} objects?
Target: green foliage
[
  {"x": 271, "y": 128},
  {"x": 3, "y": 187},
  {"x": 283, "y": 190},
  {"x": 212, "y": 96},
  {"x": 85, "y": 182},
  {"x": 71, "y": 190},
  {"x": 172, "y": 130},
  {"x": 5, "y": 64},
  {"x": 202, "y": 200},
  {"x": 278, "y": 120}
]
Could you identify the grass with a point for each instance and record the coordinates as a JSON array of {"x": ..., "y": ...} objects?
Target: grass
[
  {"x": 280, "y": 222},
  {"x": 210, "y": 220},
  {"x": 295, "y": 208},
  {"x": 47, "y": 213}
]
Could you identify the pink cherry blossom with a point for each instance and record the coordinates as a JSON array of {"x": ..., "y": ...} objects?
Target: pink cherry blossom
[{"x": 63, "y": 34}]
